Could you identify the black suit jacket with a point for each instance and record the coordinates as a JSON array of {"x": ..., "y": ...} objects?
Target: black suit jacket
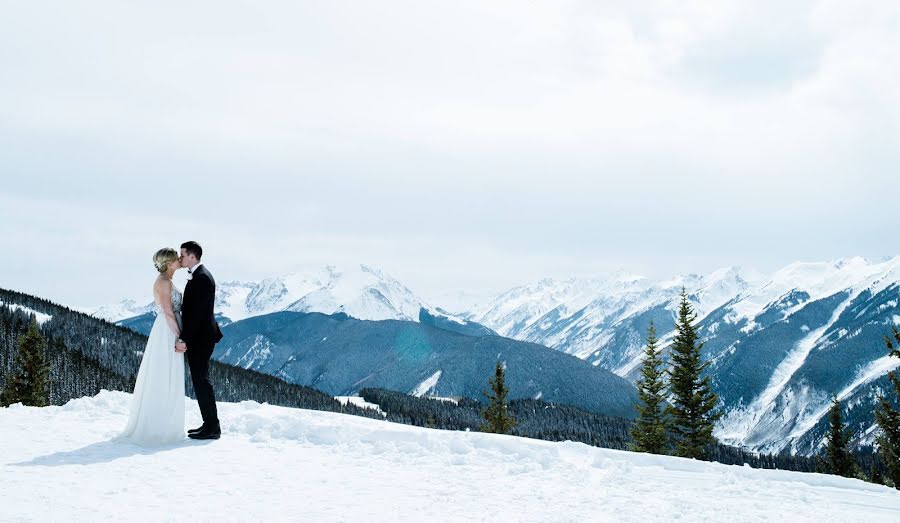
[{"x": 198, "y": 319}]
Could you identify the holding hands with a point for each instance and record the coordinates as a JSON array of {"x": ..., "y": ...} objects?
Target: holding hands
[{"x": 180, "y": 345}]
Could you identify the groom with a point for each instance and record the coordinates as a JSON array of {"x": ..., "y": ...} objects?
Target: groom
[{"x": 199, "y": 336}]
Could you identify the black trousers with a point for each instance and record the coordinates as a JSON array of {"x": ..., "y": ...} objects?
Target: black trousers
[{"x": 198, "y": 361}]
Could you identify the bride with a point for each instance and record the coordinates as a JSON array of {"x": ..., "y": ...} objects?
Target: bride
[{"x": 157, "y": 406}]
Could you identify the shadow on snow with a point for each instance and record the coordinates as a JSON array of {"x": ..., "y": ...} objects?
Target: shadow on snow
[{"x": 103, "y": 452}]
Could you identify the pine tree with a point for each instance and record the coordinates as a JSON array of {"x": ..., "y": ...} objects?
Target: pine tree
[
  {"x": 888, "y": 419},
  {"x": 875, "y": 475},
  {"x": 838, "y": 459},
  {"x": 692, "y": 399},
  {"x": 650, "y": 431},
  {"x": 30, "y": 384},
  {"x": 496, "y": 415}
]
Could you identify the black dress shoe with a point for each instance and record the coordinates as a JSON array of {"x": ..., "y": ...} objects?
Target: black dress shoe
[
  {"x": 213, "y": 432},
  {"x": 198, "y": 429}
]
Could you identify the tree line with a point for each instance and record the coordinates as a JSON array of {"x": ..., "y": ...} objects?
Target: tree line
[{"x": 551, "y": 422}]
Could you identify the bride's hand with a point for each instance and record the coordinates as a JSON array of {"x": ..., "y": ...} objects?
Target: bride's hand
[{"x": 181, "y": 347}]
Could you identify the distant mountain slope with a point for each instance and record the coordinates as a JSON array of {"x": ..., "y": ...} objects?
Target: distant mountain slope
[
  {"x": 450, "y": 323},
  {"x": 124, "y": 309},
  {"x": 603, "y": 320},
  {"x": 780, "y": 345},
  {"x": 342, "y": 355},
  {"x": 144, "y": 322},
  {"x": 360, "y": 291},
  {"x": 799, "y": 346}
]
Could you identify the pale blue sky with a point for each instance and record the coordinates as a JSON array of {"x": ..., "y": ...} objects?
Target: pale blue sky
[{"x": 455, "y": 145}]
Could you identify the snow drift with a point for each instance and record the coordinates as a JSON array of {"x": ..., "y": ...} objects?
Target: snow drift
[{"x": 280, "y": 463}]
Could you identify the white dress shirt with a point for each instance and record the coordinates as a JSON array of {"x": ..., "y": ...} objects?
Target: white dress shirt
[{"x": 194, "y": 268}]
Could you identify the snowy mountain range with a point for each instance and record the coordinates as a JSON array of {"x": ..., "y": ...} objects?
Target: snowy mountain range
[
  {"x": 360, "y": 291},
  {"x": 119, "y": 311},
  {"x": 584, "y": 317},
  {"x": 781, "y": 346}
]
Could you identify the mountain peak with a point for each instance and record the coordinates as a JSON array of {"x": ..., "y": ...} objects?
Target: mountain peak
[{"x": 360, "y": 290}]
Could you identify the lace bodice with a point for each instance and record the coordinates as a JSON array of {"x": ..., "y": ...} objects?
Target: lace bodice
[{"x": 177, "y": 298}]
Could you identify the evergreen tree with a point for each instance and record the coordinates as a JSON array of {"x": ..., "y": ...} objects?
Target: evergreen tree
[
  {"x": 496, "y": 415},
  {"x": 875, "y": 475},
  {"x": 30, "y": 385},
  {"x": 888, "y": 418},
  {"x": 838, "y": 459},
  {"x": 692, "y": 399},
  {"x": 650, "y": 431}
]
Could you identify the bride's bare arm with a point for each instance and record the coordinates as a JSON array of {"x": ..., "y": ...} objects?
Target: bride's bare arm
[{"x": 164, "y": 288}]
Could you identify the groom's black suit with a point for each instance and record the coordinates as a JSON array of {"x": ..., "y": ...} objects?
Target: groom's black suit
[{"x": 201, "y": 333}]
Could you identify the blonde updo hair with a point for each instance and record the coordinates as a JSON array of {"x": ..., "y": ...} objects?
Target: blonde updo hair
[{"x": 163, "y": 258}]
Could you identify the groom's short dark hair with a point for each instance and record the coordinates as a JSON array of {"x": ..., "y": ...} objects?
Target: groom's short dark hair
[{"x": 193, "y": 248}]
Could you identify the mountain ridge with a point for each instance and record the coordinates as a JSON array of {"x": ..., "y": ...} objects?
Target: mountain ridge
[
  {"x": 360, "y": 291},
  {"x": 341, "y": 355},
  {"x": 789, "y": 370}
]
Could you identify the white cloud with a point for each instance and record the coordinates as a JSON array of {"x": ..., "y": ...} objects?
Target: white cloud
[{"x": 484, "y": 141}]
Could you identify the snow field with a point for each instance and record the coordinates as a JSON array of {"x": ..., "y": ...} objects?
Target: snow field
[{"x": 276, "y": 463}]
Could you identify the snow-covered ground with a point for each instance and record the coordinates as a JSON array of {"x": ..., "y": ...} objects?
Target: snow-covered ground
[
  {"x": 39, "y": 316},
  {"x": 427, "y": 386},
  {"x": 275, "y": 463},
  {"x": 359, "y": 402}
]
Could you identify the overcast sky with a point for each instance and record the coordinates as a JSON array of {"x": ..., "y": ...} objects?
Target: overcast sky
[{"x": 454, "y": 144}]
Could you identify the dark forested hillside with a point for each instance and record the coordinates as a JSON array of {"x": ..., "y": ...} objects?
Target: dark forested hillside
[
  {"x": 88, "y": 354},
  {"x": 535, "y": 418}
]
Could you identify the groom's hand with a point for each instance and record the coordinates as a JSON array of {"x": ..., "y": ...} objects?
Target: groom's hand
[{"x": 181, "y": 347}]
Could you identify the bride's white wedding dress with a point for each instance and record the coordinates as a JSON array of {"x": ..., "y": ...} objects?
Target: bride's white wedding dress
[{"x": 157, "y": 406}]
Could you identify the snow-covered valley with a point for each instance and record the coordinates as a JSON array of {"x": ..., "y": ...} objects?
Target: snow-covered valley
[{"x": 276, "y": 463}]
